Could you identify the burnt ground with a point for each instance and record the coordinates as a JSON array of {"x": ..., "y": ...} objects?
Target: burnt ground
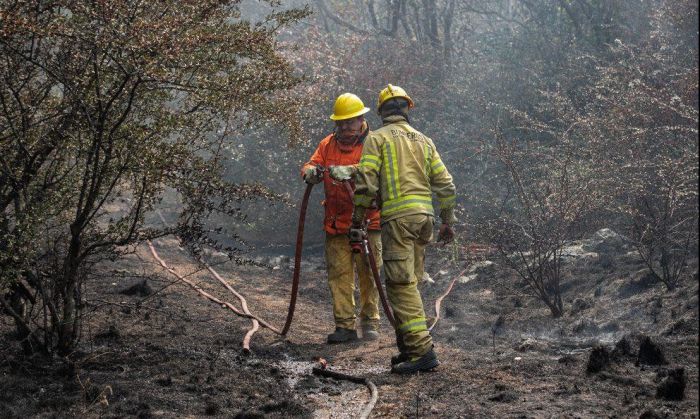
[{"x": 160, "y": 350}]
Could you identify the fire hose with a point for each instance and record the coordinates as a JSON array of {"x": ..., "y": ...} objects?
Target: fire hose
[
  {"x": 364, "y": 247},
  {"x": 297, "y": 259},
  {"x": 366, "y": 250},
  {"x": 295, "y": 279},
  {"x": 257, "y": 321}
]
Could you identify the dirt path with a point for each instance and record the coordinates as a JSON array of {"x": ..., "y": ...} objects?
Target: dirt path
[{"x": 171, "y": 353}]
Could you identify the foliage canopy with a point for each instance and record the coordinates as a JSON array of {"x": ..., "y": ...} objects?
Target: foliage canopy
[{"x": 106, "y": 105}]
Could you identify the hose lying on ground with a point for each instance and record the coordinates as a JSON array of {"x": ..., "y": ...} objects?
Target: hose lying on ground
[
  {"x": 374, "y": 394},
  {"x": 255, "y": 319},
  {"x": 246, "y": 313},
  {"x": 244, "y": 305},
  {"x": 470, "y": 250},
  {"x": 439, "y": 299}
]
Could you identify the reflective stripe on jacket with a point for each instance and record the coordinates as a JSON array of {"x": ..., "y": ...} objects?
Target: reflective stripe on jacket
[
  {"x": 403, "y": 167},
  {"x": 338, "y": 203}
]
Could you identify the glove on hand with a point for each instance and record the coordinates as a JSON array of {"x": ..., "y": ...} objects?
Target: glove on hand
[
  {"x": 342, "y": 172},
  {"x": 312, "y": 175},
  {"x": 446, "y": 234},
  {"x": 447, "y": 215}
]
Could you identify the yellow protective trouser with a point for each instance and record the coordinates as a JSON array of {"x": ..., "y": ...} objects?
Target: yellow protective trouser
[
  {"x": 342, "y": 265},
  {"x": 403, "y": 242}
]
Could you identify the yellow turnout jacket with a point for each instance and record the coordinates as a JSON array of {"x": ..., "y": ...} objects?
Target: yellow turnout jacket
[{"x": 403, "y": 167}]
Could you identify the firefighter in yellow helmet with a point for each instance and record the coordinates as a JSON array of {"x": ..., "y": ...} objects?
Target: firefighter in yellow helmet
[
  {"x": 340, "y": 153},
  {"x": 402, "y": 167}
]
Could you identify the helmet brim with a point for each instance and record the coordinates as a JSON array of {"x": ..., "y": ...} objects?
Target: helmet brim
[{"x": 362, "y": 111}]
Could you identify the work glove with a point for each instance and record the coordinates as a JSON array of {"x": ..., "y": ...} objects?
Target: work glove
[
  {"x": 313, "y": 175},
  {"x": 447, "y": 215},
  {"x": 445, "y": 234},
  {"x": 342, "y": 172}
]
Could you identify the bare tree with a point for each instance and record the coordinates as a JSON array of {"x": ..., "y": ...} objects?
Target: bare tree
[{"x": 549, "y": 199}]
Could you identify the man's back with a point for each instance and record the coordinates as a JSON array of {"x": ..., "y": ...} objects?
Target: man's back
[{"x": 408, "y": 168}]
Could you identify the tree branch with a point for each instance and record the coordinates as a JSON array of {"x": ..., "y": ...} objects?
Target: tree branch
[{"x": 324, "y": 9}]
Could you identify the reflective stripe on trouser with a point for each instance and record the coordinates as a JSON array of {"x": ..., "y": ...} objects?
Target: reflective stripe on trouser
[
  {"x": 403, "y": 248},
  {"x": 342, "y": 265}
]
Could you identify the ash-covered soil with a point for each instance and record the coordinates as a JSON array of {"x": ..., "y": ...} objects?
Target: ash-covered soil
[{"x": 625, "y": 347}]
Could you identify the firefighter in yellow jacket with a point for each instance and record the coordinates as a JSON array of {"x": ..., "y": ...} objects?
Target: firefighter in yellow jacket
[{"x": 401, "y": 167}]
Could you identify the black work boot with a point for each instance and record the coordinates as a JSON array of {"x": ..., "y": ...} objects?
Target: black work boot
[
  {"x": 424, "y": 363},
  {"x": 401, "y": 357},
  {"x": 342, "y": 335},
  {"x": 369, "y": 333}
]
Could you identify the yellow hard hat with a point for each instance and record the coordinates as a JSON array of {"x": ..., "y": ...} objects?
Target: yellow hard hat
[
  {"x": 391, "y": 91},
  {"x": 348, "y": 106}
]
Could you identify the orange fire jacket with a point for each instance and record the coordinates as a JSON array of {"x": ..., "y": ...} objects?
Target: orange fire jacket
[{"x": 338, "y": 203}]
